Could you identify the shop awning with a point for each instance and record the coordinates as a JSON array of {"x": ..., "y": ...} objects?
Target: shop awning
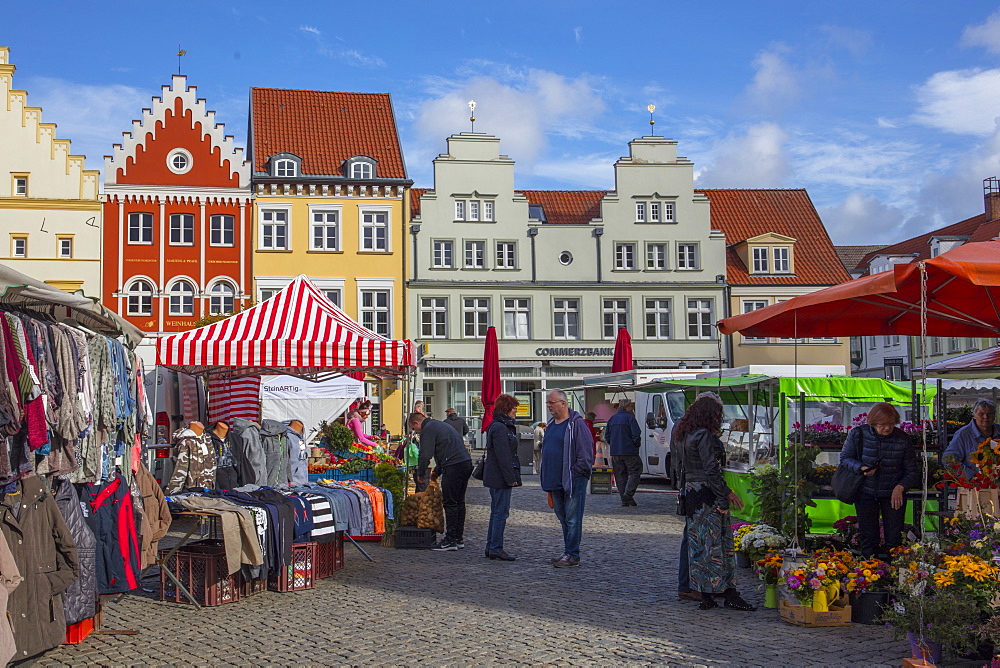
[
  {"x": 298, "y": 332},
  {"x": 704, "y": 383}
]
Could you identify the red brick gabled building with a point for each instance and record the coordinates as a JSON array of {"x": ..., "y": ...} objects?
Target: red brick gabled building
[{"x": 177, "y": 216}]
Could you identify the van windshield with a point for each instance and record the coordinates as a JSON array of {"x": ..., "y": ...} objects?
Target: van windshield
[{"x": 676, "y": 405}]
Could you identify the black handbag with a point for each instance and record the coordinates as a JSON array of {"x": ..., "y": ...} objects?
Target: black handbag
[
  {"x": 477, "y": 471},
  {"x": 847, "y": 483}
]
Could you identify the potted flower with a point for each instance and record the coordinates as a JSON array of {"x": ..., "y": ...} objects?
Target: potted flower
[
  {"x": 818, "y": 581},
  {"x": 868, "y": 584},
  {"x": 768, "y": 569},
  {"x": 740, "y": 529},
  {"x": 822, "y": 434},
  {"x": 760, "y": 539},
  {"x": 941, "y": 619},
  {"x": 822, "y": 475}
]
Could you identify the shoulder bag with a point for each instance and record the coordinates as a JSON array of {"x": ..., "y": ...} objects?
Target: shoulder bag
[
  {"x": 847, "y": 482},
  {"x": 477, "y": 471}
]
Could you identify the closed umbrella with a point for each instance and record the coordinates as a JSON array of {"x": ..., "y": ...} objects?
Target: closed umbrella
[
  {"x": 491, "y": 376},
  {"x": 623, "y": 352}
]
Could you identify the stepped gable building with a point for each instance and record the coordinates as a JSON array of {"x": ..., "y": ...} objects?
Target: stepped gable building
[
  {"x": 559, "y": 272},
  {"x": 332, "y": 203},
  {"x": 777, "y": 248},
  {"x": 894, "y": 357},
  {"x": 178, "y": 210},
  {"x": 50, "y": 211}
]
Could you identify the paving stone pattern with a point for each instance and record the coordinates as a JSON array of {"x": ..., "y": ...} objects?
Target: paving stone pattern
[{"x": 421, "y": 607}]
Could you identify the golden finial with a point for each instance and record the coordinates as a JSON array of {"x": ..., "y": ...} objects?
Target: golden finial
[
  {"x": 472, "y": 116},
  {"x": 651, "y": 108}
]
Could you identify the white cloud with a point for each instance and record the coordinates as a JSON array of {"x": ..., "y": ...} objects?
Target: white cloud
[
  {"x": 885, "y": 123},
  {"x": 986, "y": 35},
  {"x": 578, "y": 34},
  {"x": 862, "y": 219},
  {"x": 310, "y": 29},
  {"x": 960, "y": 101},
  {"x": 522, "y": 108},
  {"x": 756, "y": 159},
  {"x": 91, "y": 117},
  {"x": 339, "y": 52},
  {"x": 850, "y": 160},
  {"x": 775, "y": 85},
  {"x": 855, "y": 41},
  {"x": 593, "y": 171}
]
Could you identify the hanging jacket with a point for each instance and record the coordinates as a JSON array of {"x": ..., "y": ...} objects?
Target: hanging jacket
[
  {"x": 299, "y": 454},
  {"x": 80, "y": 600},
  {"x": 46, "y": 557},
  {"x": 277, "y": 455},
  {"x": 10, "y": 578},
  {"x": 195, "y": 463},
  {"x": 111, "y": 517},
  {"x": 156, "y": 515},
  {"x": 227, "y": 475},
  {"x": 248, "y": 452}
]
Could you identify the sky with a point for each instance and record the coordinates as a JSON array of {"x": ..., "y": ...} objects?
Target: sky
[{"x": 886, "y": 112}]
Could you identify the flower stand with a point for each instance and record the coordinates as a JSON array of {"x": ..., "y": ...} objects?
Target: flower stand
[{"x": 770, "y": 596}]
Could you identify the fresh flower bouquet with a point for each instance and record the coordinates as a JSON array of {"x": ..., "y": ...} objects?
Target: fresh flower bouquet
[
  {"x": 741, "y": 529},
  {"x": 987, "y": 458},
  {"x": 868, "y": 575},
  {"x": 971, "y": 536},
  {"x": 768, "y": 568},
  {"x": 761, "y": 538},
  {"x": 822, "y": 570}
]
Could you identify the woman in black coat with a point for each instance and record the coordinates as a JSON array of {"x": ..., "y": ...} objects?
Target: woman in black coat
[
  {"x": 885, "y": 455},
  {"x": 501, "y": 472}
]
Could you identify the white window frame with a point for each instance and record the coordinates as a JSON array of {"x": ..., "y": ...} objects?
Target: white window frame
[
  {"x": 654, "y": 212},
  {"x": 179, "y": 230},
  {"x": 214, "y": 296},
  {"x": 368, "y": 285},
  {"x": 565, "y": 309},
  {"x": 460, "y": 209},
  {"x": 475, "y": 247},
  {"x": 262, "y": 217},
  {"x": 363, "y": 226},
  {"x": 137, "y": 222},
  {"x": 761, "y": 260},
  {"x": 62, "y": 252},
  {"x": 614, "y": 315},
  {"x": 625, "y": 252},
  {"x": 218, "y": 230},
  {"x": 669, "y": 212},
  {"x": 370, "y": 312},
  {"x": 489, "y": 211},
  {"x": 473, "y": 208},
  {"x": 682, "y": 259},
  {"x": 750, "y": 305},
  {"x": 658, "y": 313},
  {"x": 782, "y": 259},
  {"x": 476, "y": 312},
  {"x": 325, "y": 210},
  {"x": 517, "y": 318},
  {"x": 505, "y": 255},
  {"x": 22, "y": 241},
  {"x": 20, "y": 186},
  {"x": 443, "y": 253},
  {"x": 177, "y": 308},
  {"x": 640, "y": 212},
  {"x": 362, "y": 170},
  {"x": 653, "y": 259},
  {"x": 184, "y": 155},
  {"x": 288, "y": 166},
  {"x": 143, "y": 305},
  {"x": 700, "y": 317},
  {"x": 433, "y": 317}
]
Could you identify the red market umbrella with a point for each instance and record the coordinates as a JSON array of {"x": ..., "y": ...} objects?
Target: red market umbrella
[
  {"x": 979, "y": 364},
  {"x": 491, "y": 376},
  {"x": 623, "y": 352},
  {"x": 961, "y": 291}
]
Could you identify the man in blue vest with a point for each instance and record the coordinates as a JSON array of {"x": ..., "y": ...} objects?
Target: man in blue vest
[{"x": 624, "y": 436}]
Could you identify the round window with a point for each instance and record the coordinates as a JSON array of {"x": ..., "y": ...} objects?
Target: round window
[
  {"x": 179, "y": 161},
  {"x": 565, "y": 257}
]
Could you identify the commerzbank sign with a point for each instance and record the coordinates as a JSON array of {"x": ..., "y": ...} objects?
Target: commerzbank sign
[{"x": 574, "y": 352}]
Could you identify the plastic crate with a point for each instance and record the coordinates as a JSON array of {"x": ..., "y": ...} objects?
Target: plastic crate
[
  {"x": 366, "y": 475},
  {"x": 252, "y": 587},
  {"x": 77, "y": 633},
  {"x": 330, "y": 556},
  {"x": 201, "y": 568},
  {"x": 600, "y": 480},
  {"x": 412, "y": 538},
  {"x": 298, "y": 575}
]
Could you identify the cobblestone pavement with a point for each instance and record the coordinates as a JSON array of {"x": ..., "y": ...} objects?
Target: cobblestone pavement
[{"x": 410, "y": 607}]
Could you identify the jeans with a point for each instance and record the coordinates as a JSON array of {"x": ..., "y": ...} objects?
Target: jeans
[
  {"x": 683, "y": 565},
  {"x": 499, "y": 511},
  {"x": 569, "y": 510},
  {"x": 868, "y": 510},
  {"x": 454, "y": 483},
  {"x": 627, "y": 468}
]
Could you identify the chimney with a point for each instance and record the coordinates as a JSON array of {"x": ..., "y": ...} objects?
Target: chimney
[{"x": 991, "y": 197}]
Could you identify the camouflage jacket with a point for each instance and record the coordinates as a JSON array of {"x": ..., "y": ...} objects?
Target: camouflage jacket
[{"x": 194, "y": 465}]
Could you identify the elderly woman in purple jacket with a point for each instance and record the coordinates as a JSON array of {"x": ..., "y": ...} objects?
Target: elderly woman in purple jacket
[{"x": 567, "y": 460}]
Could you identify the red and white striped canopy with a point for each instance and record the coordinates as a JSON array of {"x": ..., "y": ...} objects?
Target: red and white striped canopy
[{"x": 297, "y": 332}]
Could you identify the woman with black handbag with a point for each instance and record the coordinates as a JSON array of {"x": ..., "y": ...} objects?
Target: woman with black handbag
[
  {"x": 884, "y": 454},
  {"x": 501, "y": 472}
]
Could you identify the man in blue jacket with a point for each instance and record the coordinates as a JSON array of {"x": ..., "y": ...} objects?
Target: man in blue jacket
[
  {"x": 623, "y": 435},
  {"x": 567, "y": 460},
  {"x": 967, "y": 439}
]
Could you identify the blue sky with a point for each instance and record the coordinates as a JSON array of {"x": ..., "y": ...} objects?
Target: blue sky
[{"x": 885, "y": 111}]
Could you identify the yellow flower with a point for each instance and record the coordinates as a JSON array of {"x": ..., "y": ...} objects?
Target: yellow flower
[{"x": 943, "y": 579}]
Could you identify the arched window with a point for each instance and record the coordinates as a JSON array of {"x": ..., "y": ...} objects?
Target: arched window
[
  {"x": 285, "y": 168},
  {"x": 361, "y": 170},
  {"x": 182, "y": 298},
  {"x": 140, "y": 297},
  {"x": 222, "y": 298}
]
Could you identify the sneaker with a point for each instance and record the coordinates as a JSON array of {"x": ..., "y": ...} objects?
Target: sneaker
[
  {"x": 446, "y": 546},
  {"x": 461, "y": 544},
  {"x": 559, "y": 558},
  {"x": 566, "y": 562}
]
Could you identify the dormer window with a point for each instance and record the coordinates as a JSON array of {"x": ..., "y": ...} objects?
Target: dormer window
[
  {"x": 782, "y": 261},
  {"x": 771, "y": 259},
  {"x": 360, "y": 167},
  {"x": 285, "y": 166}
]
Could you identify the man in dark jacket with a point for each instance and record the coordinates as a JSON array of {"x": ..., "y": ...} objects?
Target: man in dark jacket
[
  {"x": 453, "y": 464},
  {"x": 456, "y": 422},
  {"x": 623, "y": 435}
]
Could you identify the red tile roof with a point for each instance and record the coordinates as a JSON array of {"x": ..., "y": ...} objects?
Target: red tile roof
[
  {"x": 851, "y": 255},
  {"x": 415, "y": 194},
  {"x": 325, "y": 128},
  {"x": 919, "y": 246},
  {"x": 744, "y": 214},
  {"x": 567, "y": 207}
]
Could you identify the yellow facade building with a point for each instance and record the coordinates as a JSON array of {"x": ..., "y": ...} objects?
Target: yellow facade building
[{"x": 331, "y": 203}]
